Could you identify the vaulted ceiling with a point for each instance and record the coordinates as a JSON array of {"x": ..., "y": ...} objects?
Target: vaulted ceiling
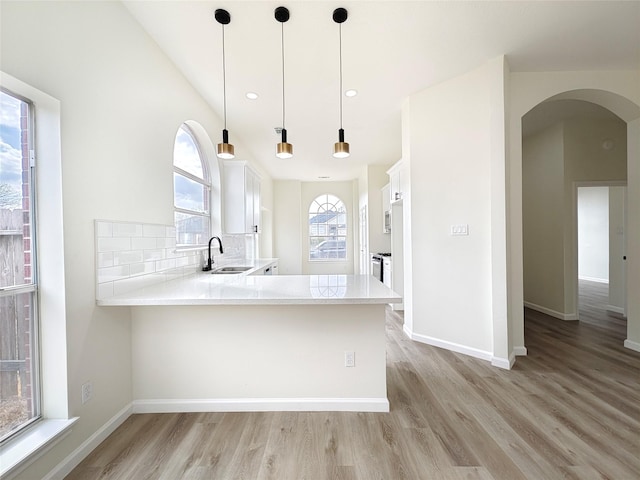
[{"x": 390, "y": 50}]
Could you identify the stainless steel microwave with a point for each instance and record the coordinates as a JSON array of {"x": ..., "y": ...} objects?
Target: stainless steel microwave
[{"x": 387, "y": 221}]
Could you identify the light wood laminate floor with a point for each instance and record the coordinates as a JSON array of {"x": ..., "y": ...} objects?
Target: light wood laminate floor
[{"x": 568, "y": 410}]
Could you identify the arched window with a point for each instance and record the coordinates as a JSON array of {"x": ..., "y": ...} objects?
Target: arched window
[
  {"x": 191, "y": 190},
  {"x": 327, "y": 229}
]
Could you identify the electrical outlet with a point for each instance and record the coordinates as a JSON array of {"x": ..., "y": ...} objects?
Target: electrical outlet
[
  {"x": 349, "y": 359},
  {"x": 87, "y": 392}
]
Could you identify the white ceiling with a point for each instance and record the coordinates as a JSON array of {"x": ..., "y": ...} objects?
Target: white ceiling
[{"x": 390, "y": 50}]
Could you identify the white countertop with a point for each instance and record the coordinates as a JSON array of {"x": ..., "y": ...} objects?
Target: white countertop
[{"x": 204, "y": 288}]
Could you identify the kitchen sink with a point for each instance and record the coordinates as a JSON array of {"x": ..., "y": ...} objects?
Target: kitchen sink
[{"x": 230, "y": 270}]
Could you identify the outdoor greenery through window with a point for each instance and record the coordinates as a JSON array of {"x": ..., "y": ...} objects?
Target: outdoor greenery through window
[
  {"x": 327, "y": 229},
  {"x": 191, "y": 190},
  {"x": 19, "y": 379}
]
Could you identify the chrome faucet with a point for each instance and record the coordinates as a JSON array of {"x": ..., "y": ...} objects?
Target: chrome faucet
[{"x": 209, "y": 264}]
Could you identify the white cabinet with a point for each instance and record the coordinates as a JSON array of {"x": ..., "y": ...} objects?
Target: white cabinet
[
  {"x": 396, "y": 182},
  {"x": 386, "y": 208},
  {"x": 271, "y": 269},
  {"x": 387, "y": 271},
  {"x": 241, "y": 198}
]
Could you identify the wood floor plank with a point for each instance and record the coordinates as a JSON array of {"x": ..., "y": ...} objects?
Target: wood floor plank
[{"x": 570, "y": 409}]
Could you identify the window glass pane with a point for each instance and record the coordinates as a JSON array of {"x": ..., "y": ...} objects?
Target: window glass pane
[
  {"x": 327, "y": 229},
  {"x": 186, "y": 155},
  {"x": 17, "y": 354},
  {"x": 19, "y": 382},
  {"x": 189, "y": 194},
  {"x": 191, "y": 229},
  {"x": 323, "y": 248}
]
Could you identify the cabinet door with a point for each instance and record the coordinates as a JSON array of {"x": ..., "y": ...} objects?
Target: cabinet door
[
  {"x": 241, "y": 198},
  {"x": 395, "y": 180}
]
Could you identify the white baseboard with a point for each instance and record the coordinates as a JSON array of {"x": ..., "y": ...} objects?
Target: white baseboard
[
  {"x": 505, "y": 363},
  {"x": 552, "y": 313},
  {"x": 520, "y": 351},
  {"x": 262, "y": 405},
  {"x": 73, "y": 460},
  {"x": 615, "y": 309},
  {"x": 454, "y": 347},
  {"x": 631, "y": 345}
]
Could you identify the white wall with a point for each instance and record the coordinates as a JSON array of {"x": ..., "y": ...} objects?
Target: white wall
[
  {"x": 543, "y": 218},
  {"x": 593, "y": 234},
  {"x": 287, "y": 226},
  {"x": 122, "y": 102},
  {"x": 452, "y": 155}
]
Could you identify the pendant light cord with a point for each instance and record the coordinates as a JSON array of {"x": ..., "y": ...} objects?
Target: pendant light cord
[
  {"x": 340, "y": 36},
  {"x": 282, "y": 48},
  {"x": 224, "y": 82}
]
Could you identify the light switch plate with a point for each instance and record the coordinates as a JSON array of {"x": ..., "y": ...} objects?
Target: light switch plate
[{"x": 460, "y": 229}]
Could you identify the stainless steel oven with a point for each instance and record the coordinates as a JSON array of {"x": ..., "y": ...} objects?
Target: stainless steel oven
[{"x": 376, "y": 266}]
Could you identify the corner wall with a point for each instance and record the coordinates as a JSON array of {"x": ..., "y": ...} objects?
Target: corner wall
[{"x": 455, "y": 150}]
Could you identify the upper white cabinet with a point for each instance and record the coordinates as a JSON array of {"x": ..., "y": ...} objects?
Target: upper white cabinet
[
  {"x": 241, "y": 198},
  {"x": 396, "y": 182},
  {"x": 386, "y": 208}
]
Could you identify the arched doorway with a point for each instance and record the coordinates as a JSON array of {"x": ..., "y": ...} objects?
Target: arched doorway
[
  {"x": 574, "y": 157},
  {"x": 620, "y": 95}
]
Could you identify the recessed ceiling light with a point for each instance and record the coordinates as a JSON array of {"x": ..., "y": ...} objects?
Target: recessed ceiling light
[
  {"x": 324, "y": 177},
  {"x": 252, "y": 95},
  {"x": 351, "y": 93}
]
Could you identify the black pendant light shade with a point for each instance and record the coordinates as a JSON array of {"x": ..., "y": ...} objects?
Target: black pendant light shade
[
  {"x": 340, "y": 148},
  {"x": 283, "y": 149},
  {"x": 225, "y": 150}
]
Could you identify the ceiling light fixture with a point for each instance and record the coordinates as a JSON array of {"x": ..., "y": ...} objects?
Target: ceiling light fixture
[
  {"x": 252, "y": 95},
  {"x": 283, "y": 149},
  {"x": 351, "y": 93},
  {"x": 225, "y": 149},
  {"x": 341, "y": 148}
]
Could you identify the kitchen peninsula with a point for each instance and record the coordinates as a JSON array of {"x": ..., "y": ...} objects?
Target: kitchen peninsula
[{"x": 241, "y": 342}]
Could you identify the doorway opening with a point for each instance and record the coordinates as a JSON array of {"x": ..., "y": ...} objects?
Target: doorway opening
[
  {"x": 568, "y": 144},
  {"x": 601, "y": 230}
]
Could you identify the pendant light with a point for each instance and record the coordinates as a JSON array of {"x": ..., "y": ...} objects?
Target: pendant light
[
  {"x": 341, "y": 148},
  {"x": 283, "y": 149},
  {"x": 225, "y": 149}
]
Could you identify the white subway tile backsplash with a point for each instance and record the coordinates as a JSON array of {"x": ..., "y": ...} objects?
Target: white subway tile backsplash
[
  {"x": 105, "y": 259},
  {"x": 113, "y": 244},
  {"x": 127, "y": 229},
  {"x": 132, "y": 255},
  {"x": 156, "y": 254},
  {"x": 143, "y": 243},
  {"x": 109, "y": 274},
  {"x": 142, "y": 268},
  {"x": 103, "y": 229},
  {"x": 123, "y": 258},
  {"x": 154, "y": 230},
  {"x": 165, "y": 264},
  {"x": 166, "y": 242}
]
